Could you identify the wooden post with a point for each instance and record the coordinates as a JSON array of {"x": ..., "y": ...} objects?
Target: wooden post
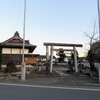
[
  {"x": 51, "y": 59},
  {"x": 75, "y": 60}
]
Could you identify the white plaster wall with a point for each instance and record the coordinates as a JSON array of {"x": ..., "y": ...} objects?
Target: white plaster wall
[
  {"x": 14, "y": 51},
  {"x": 6, "y": 51},
  {"x": 26, "y": 51}
]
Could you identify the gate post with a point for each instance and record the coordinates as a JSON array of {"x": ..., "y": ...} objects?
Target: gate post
[
  {"x": 51, "y": 59},
  {"x": 75, "y": 59},
  {"x": 47, "y": 53}
]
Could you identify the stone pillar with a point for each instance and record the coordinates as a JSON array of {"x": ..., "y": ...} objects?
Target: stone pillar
[
  {"x": 75, "y": 60},
  {"x": 51, "y": 59},
  {"x": 47, "y": 53}
]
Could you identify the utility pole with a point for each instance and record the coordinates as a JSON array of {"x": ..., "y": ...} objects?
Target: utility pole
[
  {"x": 23, "y": 64},
  {"x": 98, "y": 3}
]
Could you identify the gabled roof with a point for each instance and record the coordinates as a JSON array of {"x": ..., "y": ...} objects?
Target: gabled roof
[
  {"x": 17, "y": 42},
  {"x": 15, "y": 39}
]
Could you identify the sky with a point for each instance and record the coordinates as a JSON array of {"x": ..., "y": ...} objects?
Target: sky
[{"x": 55, "y": 21}]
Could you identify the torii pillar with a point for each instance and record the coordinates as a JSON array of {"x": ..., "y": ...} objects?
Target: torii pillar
[
  {"x": 51, "y": 56},
  {"x": 51, "y": 59},
  {"x": 75, "y": 58},
  {"x": 47, "y": 53}
]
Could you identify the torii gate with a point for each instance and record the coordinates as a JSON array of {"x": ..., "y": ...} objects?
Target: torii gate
[{"x": 61, "y": 44}]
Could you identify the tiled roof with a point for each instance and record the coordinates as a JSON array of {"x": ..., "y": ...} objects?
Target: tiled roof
[{"x": 17, "y": 42}]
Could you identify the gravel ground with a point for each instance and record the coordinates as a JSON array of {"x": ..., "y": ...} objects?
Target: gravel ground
[
  {"x": 72, "y": 79},
  {"x": 57, "y": 79}
]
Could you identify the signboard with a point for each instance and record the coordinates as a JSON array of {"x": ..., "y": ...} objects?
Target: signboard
[{"x": 30, "y": 60}]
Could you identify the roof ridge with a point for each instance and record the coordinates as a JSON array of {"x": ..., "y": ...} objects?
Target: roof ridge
[{"x": 16, "y": 36}]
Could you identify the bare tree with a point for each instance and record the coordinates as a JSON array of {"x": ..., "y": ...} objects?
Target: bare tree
[
  {"x": 93, "y": 38},
  {"x": 92, "y": 35}
]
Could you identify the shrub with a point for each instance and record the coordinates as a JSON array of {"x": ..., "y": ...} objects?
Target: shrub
[{"x": 10, "y": 67}]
